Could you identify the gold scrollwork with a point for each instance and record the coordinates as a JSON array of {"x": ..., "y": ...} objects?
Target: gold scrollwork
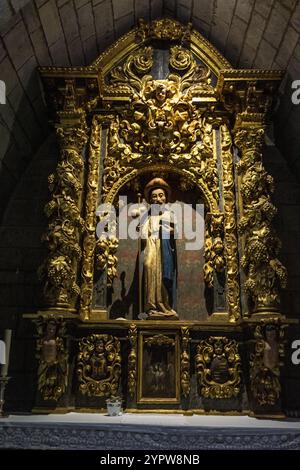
[
  {"x": 230, "y": 229},
  {"x": 160, "y": 340},
  {"x": 126, "y": 77},
  {"x": 132, "y": 360},
  {"x": 214, "y": 246},
  {"x": 165, "y": 28},
  {"x": 52, "y": 357},
  {"x": 99, "y": 365},
  {"x": 185, "y": 375},
  {"x": 218, "y": 366},
  {"x": 105, "y": 257},
  {"x": 265, "y": 362},
  {"x": 87, "y": 270}
]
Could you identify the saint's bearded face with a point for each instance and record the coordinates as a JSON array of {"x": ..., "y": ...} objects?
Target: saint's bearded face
[{"x": 158, "y": 196}]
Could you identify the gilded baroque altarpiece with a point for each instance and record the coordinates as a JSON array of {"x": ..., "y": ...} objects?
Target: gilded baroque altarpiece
[{"x": 162, "y": 101}]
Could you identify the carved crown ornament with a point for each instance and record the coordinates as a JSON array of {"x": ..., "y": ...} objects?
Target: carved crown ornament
[{"x": 183, "y": 118}]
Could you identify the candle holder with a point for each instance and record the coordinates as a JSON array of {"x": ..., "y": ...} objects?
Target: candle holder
[{"x": 3, "y": 382}]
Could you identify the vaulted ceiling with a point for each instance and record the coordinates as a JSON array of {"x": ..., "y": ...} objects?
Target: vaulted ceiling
[{"x": 249, "y": 33}]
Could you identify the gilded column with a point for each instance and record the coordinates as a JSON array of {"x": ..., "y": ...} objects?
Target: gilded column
[
  {"x": 264, "y": 272},
  {"x": 59, "y": 271},
  {"x": 231, "y": 242}
]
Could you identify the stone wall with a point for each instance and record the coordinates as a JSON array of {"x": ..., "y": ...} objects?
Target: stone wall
[
  {"x": 21, "y": 252},
  {"x": 287, "y": 223}
]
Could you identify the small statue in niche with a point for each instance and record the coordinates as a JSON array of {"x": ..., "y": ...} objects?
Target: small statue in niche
[
  {"x": 219, "y": 364},
  {"x": 271, "y": 348},
  {"x": 158, "y": 228},
  {"x": 98, "y": 361},
  {"x": 265, "y": 364},
  {"x": 53, "y": 365}
]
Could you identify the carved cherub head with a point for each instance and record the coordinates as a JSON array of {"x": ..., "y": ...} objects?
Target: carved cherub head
[
  {"x": 51, "y": 329},
  {"x": 161, "y": 92}
]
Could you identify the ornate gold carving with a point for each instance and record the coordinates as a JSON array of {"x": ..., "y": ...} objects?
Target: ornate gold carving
[
  {"x": 161, "y": 126},
  {"x": 230, "y": 236},
  {"x": 132, "y": 360},
  {"x": 127, "y": 78},
  {"x": 99, "y": 365},
  {"x": 160, "y": 340},
  {"x": 163, "y": 29},
  {"x": 218, "y": 367},
  {"x": 265, "y": 273},
  {"x": 265, "y": 362},
  {"x": 59, "y": 271},
  {"x": 87, "y": 270},
  {"x": 185, "y": 362},
  {"x": 214, "y": 248},
  {"x": 105, "y": 250},
  {"x": 52, "y": 357}
]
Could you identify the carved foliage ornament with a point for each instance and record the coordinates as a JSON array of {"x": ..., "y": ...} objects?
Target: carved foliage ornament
[
  {"x": 265, "y": 273},
  {"x": 132, "y": 360},
  {"x": 160, "y": 340},
  {"x": 59, "y": 270},
  {"x": 185, "y": 362},
  {"x": 52, "y": 357},
  {"x": 230, "y": 227},
  {"x": 218, "y": 366},
  {"x": 265, "y": 362},
  {"x": 161, "y": 124},
  {"x": 99, "y": 365},
  {"x": 214, "y": 247},
  {"x": 163, "y": 29}
]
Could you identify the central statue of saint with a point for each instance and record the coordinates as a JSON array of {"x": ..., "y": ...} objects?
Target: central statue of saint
[{"x": 158, "y": 229}]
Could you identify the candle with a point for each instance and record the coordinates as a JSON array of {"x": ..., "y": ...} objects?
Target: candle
[{"x": 7, "y": 341}]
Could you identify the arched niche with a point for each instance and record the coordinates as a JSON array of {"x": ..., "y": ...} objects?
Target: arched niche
[{"x": 195, "y": 299}]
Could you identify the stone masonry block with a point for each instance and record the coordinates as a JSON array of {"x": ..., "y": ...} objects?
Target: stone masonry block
[
  {"x": 41, "y": 47},
  {"x": 184, "y": 13},
  {"x": 59, "y": 53},
  {"x": 204, "y": 10},
  {"x": 156, "y": 8},
  {"x": 86, "y": 21},
  {"x": 276, "y": 25},
  {"x": 121, "y": 25},
  {"x": 51, "y": 22},
  {"x": 219, "y": 33},
  {"x": 265, "y": 55},
  {"x": 31, "y": 17},
  {"x": 287, "y": 47},
  {"x": 235, "y": 39},
  {"x": 76, "y": 52},
  {"x": 263, "y": 7},
  {"x": 244, "y": 9},
  {"x": 122, "y": 8},
  {"x": 103, "y": 19},
  {"x": 69, "y": 21},
  {"x": 18, "y": 44},
  {"x": 142, "y": 9}
]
